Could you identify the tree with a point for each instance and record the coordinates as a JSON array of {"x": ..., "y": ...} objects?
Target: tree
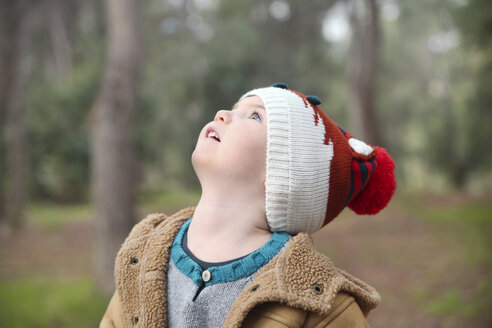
[
  {"x": 112, "y": 139},
  {"x": 364, "y": 20},
  {"x": 17, "y": 17}
]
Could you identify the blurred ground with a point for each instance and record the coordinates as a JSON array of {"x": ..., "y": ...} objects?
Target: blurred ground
[
  {"x": 428, "y": 257},
  {"x": 421, "y": 266}
]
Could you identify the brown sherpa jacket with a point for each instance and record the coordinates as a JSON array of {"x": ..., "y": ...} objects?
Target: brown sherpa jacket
[{"x": 298, "y": 288}]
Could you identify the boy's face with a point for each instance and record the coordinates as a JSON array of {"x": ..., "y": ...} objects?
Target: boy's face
[{"x": 240, "y": 155}]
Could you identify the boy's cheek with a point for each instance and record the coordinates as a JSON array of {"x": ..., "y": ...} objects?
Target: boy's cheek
[{"x": 247, "y": 144}]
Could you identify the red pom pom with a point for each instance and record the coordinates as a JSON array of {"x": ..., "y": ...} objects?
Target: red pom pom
[{"x": 379, "y": 189}]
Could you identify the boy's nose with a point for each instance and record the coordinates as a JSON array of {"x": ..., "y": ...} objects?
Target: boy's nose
[{"x": 223, "y": 115}]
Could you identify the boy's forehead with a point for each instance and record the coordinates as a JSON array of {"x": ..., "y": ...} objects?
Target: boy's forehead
[{"x": 251, "y": 100}]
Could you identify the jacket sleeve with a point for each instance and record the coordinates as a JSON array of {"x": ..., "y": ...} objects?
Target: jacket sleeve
[
  {"x": 113, "y": 318},
  {"x": 346, "y": 313}
]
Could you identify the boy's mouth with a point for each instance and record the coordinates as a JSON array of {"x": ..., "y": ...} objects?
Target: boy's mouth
[{"x": 211, "y": 133}]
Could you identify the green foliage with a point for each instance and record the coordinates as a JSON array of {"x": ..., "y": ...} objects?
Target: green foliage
[
  {"x": 58, "y": 135},
  {"x": 433, "y": 104},
  {"x": 475, "y": 22},
  {"x": 58, "y": 104},
  {"x": 427, "y": 86},
  {"x": 475, "y": 19},
  {"x": 46, "y": 302}
]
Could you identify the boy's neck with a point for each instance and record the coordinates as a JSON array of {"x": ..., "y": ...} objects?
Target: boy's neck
[{"x": 224, "y": 229}]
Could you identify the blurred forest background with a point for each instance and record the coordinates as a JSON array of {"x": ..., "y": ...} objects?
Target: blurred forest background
[{"x": 101, "y": 103}]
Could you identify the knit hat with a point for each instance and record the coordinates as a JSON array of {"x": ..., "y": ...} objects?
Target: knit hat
[{"x": 314, "y": 168}]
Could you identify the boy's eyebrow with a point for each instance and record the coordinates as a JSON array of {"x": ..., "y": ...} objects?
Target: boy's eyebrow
[{"x": 256, "y": 106}]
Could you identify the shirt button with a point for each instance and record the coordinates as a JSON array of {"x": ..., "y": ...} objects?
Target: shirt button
[{"x": 206, "y": 275}]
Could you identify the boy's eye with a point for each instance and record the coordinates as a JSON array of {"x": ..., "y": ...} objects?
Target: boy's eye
[{"x": 256, "y": 114}]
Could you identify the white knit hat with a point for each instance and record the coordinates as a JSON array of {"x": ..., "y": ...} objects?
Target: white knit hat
[{"x": 310, "y": 162}]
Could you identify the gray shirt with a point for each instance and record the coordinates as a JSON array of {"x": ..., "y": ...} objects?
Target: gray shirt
[{"x": 198, "y": 299}]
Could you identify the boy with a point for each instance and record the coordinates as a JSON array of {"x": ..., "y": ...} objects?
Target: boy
[{"x": 272, "y": 170}]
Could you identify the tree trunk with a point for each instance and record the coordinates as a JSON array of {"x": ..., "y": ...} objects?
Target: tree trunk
[
  {"x": 15, "y": 47},
  {"x": 59, "y": 40},
  {"x": 112, "y": 139},
  {"x": 364, "y": 19}
]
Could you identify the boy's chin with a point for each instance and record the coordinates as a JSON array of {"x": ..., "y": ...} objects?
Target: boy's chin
[
  {"x": 202, "y": 164},
  {"x": 195, "y": 162}
]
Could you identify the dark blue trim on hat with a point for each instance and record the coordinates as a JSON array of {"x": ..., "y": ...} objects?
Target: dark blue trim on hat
[
  {"x": 343, "y": 131},
  {"x": 351, "y": 191},
  {"x": 229, "y": 272},
  {"x": 363, "y": 176},
  {"x": 373, "y": 164},
  {"x": 314, "y": 100},
  {"x": 280, "y": 85}
]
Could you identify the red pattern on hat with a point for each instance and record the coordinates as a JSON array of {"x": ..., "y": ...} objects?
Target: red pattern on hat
[{"x": 378, "y": 187}]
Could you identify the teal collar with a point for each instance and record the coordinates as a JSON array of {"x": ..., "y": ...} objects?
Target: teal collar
[{"x": 229, "y": 272}]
